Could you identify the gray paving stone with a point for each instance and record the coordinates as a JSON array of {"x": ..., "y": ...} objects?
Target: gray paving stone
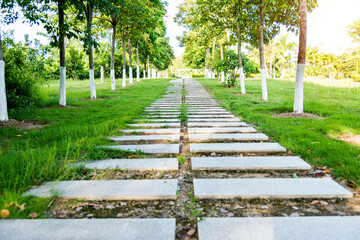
[
  {"x": 158, "y": 120},
  {"x": 155, "y": 125},
  {"x": 236, "y": 147},
  {"x": 161, "y": 111},
  {"x": 280, "y": 228},
  {"x": 171, "y": 137},
  {"x": 214, "y": 120},
  {"x": 277, "y": 188},
  {"x": 176, "y": 113},
  {"x": 140, "y": 164},
  {"x": 108, "y": 189},
  {"x": 88, "y": 229},
  {"x": 161, "y": 116},
  {"x": 153, "y": 130},
  {"x": 222, "y": 130},
  {"x": 249, "y": 163},
  {"x": 216, "y": 124},
  {"x": 148, "y": 148},
  {"x": 212, "y": 116},
  {"x": 208, "y": 113},
  {"x": 228, "y": 136}
]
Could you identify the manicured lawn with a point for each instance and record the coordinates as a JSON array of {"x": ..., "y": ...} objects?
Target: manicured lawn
[
  {"x": 315, "y": 140},
  {"x": 30, "y": 157}
]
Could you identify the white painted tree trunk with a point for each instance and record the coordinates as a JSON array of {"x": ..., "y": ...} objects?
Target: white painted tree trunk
[
  {"x": 144, "y": 74},
  {"x": 124, "y": 78},
  {"x": 112, "y": 76},
  {"x": 3, "y": 103},
  {"x": 153, "y": 73},
  {"x": 131, "y": 81},
  {"x": 62, "y": 94},
  {"x": 242, "y": 81},
  {"x": 299, "y": 89},
  {"x": 206, "y": 73},
  {"x": 137, "y": 73},
  {"x": 263, "y": 85},
  {"x": 92, "y": 83},
  {"x": 149, "y": 73},
  {"x": 102, "y": 74},
  {"x": 222, "y": 77}
]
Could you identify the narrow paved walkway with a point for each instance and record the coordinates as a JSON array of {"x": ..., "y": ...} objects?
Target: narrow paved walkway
[{"x": 187, "y": 120}]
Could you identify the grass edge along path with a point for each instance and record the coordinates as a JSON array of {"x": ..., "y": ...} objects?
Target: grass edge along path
[
  {"x": 312, "y": 139},
  {"x": 30, "y": 157}
]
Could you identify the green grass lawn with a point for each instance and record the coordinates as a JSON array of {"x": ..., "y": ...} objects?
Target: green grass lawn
[
  {"x": 315, "y": 140},
  {"x": 30, "y": 157}
]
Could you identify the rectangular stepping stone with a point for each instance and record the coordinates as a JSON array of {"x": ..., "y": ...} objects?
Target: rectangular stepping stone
[
  {"x": 216, "y": 124},
  {"x": 212, "y": 116},
  {"x": 158, "y": 120},
  {"x": 277, "y": 188},
  {"x": 161, "y": 111},
  {"x": 172, "y": 137},
  {"x": 208, "y": 113},
  {"x": 214, "y": 120},
  {"x": 222, "y": 130},
  {"x": 148, "y": 148},
  {"x": 155, "y": 125},
  {"x": 249, "y": 163},
  {"x": 153, "y": 130},
  {"x": 164, "y": 113},
  {"x": 280, "y": 228},
  {"x": 140, "y": 164},
  {"x": 236, "y": 147},
  {"x": 228, "y": 136},
  {"x": 88, "y": 229},
  {"x": 108, "y": 189}
]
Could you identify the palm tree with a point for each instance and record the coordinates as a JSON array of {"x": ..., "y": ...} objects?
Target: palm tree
[{"x": 283, "y": 52}]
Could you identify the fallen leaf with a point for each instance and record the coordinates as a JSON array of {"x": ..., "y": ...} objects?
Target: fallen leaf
[
  {"x": 62, "y": 216},
  {"x": 4, "y": 213},
  {"x": 21, "y": 207},
  {"x": 339, "y": 164},
  {"x": 315, "y": 202},
  {"x": 33, "y": 215},
  {"x": 12, "y": 204},
  {"x": 186, "y": 162},
  {"x": 191, "y": 232},
  {"x": 308, "y": 150}
]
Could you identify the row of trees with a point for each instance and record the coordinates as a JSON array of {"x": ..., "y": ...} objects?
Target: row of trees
[
  {"x": 215, "y": 24},
  {"x": 137, "y": 24}
]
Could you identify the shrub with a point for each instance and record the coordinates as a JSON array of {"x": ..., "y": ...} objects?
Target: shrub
[
  {"x": 356, "y": 78},
  {"x": 199, "y": 75}
]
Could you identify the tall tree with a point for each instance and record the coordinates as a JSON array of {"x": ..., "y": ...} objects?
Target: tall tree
[
  {"x": 299, "y": 81},
  {"x": 3, "y": 103}
]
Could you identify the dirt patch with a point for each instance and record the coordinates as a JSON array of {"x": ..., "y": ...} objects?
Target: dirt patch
[
  {"x": 353, "y": 139},
  {"x": 296, "y": 115},
  {"x": 23, "y": 125}
]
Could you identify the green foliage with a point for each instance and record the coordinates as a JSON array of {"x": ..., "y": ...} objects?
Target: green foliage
[
  {"x": 181, "y": 159},
  {"x": 75, "y": 62},
  {"x": 25, "y": 70},
  {"x": 199, "y": 75},
  {"x": 354, "y": 31}
]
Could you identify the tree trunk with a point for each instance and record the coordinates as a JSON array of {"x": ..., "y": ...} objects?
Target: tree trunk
[
  {"x": 207, "y": 62},
  {"x": 222, "y": 58},
  {"x": 241, "y": 69},
  {"x": 131, "y": 82},
  {"x": 299, "y": 81},
  {"x": 89, "y": 11},
  {"x": 102, "y": 74},
  {"x": 3, "y": 102},
  {"x": 112, "y": 58},
  {"x": 62, "y": 93},
  {"x": 262, "y": 54},
  {"x": 148, "y": 65},
  {"x": 228, "y": 39},
  {"x": 213, "y": 56},
  {"x": 124, "y": 62},
  {"x": 137, "y": 64}
]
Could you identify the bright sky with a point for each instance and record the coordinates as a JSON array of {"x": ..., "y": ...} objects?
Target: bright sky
[{"x": 326, "y": 26}]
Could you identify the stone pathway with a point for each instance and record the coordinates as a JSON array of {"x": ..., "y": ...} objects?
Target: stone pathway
[{"x": 187, "y": 121}]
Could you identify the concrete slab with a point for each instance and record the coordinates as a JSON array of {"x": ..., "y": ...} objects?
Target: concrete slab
[
  {"x": 140, "y": 164},
  {"x": 161, "y": 111},
  {"x": 153, "y": 130},
  {"x": 161, "y": 116},
  {"x": 216, "y": 124},
  {"x": 148, "y": 148},
  {"x": 236, "y": 147},
  {"x": 88, "y": 229},
  {"x": 208, "y": 113},
  {"x": 228, "y": 137},
  {"x": 222, "y": 130},
  {"x": 170, "y": 137},
  {"x": 280, "y": 228},
  {"x": 212, "y": 116},
  {"x": 214, "y": 120},
  {"x": 155, "y": 125},
  {"x": 249, "y": 163},
  {"x": 176, "y": 113},
  {"x": 158, "y": 120},
  {"x": 277, "y": 188},
  {"x": 108, "y": 189}
]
